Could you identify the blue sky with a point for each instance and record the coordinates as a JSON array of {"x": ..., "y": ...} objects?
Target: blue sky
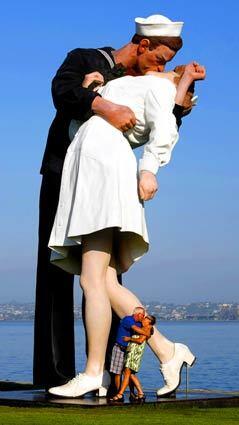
[{"x": 193, "y": 221}]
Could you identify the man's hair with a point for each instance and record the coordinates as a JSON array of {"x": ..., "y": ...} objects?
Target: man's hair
[
  {"x": 173, "y": 43},
  {"x": 138, "y": 310}
]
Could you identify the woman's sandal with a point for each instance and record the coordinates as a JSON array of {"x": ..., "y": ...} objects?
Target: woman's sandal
[
  {"x": 141, "y": 397},
  {"x": 118, "y": 398},
  {"x": 133, "y": 397}
]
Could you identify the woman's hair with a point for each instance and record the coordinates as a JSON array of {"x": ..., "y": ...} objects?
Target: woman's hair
[
  {"x": 187, "y": 103},
  {"x": 173, "y": 43},
  {"x": 152, "y": 319}
]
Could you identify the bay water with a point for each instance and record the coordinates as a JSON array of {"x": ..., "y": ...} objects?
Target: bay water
[{"x": 215, "y": 344}]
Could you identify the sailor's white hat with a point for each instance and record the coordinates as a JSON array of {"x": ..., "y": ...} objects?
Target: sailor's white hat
[{"x": 158, "y": 25}]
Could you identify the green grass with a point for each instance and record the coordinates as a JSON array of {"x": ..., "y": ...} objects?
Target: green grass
[{"x": 119, "y": 416}]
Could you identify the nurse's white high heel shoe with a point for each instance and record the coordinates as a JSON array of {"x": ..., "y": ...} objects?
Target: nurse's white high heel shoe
[{"x": 171, "y": 370}]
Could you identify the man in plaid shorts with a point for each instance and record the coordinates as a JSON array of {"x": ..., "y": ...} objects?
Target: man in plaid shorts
[{"x": 128, "y": 325}]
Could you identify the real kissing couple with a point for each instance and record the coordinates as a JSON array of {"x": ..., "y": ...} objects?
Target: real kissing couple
[{"x": 92, "y": 220}]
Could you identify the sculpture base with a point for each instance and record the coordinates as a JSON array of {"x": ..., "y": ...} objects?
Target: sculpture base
[{"x": 38, "y": 397}]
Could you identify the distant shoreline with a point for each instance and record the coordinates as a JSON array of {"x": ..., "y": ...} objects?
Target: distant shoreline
[{"x": 192, "y": 312}]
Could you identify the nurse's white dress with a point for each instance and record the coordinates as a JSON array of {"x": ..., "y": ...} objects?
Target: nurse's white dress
[{"x": 99, "y": 179}]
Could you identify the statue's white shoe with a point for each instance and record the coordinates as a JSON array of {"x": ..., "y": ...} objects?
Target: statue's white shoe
[
  {"x": 81, "y": 385},
  {"x": 171, "y": 370}
]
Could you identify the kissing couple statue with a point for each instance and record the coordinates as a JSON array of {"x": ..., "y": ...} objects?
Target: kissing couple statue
[{"x": 92, "y": 220}]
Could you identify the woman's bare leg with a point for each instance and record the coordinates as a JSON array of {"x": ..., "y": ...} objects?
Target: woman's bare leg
[
  {"x": 136, "y": 383},
  {"x": 123, "y": 302},
  {"x": 96, "y": 254},
  {"x": 125, "y": 381},
  {"x": 131, "y": 387}
]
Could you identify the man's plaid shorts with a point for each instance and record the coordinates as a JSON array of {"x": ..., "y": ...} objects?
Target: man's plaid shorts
[{"x": 117, "y": 360}]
